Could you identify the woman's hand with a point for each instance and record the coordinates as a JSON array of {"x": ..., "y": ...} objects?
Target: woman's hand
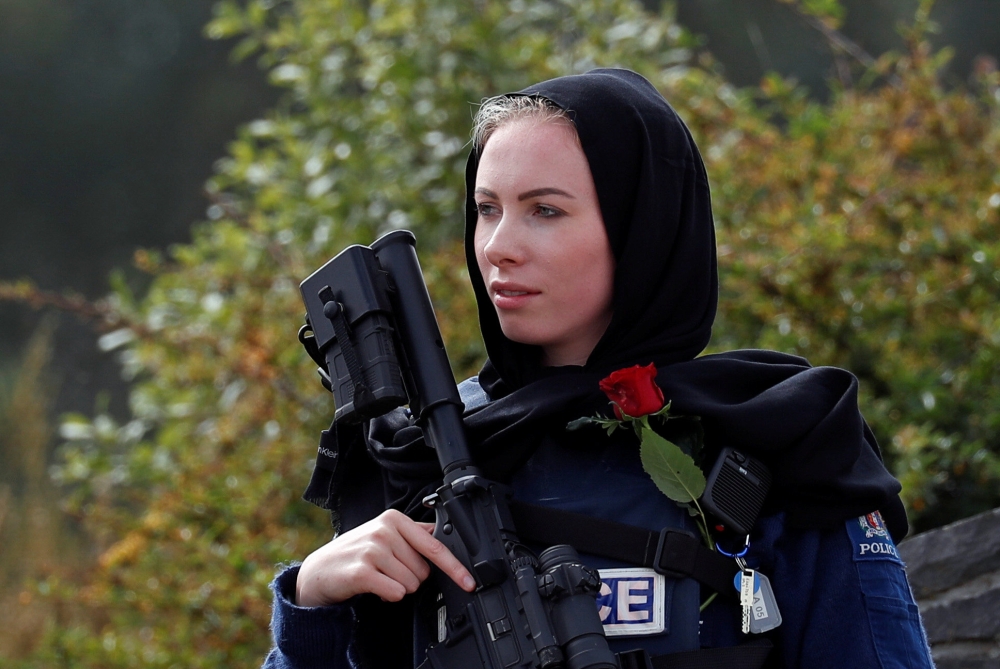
[{"x": 385, "y": 557}]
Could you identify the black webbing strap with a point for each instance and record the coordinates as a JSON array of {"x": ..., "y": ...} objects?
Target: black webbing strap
[
  {"x": 670, "y": 551},
  {"x": 334, "y": 311},
  {"x": 746, "y": 656}
]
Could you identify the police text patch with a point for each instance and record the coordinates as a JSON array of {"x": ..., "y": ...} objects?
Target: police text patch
[
  {"x": 631, "y": 601},
  {"x": 870, "y": 539}
]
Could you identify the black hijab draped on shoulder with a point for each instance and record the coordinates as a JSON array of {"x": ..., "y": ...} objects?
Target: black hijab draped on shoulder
[{"x": 654, "y": 196}]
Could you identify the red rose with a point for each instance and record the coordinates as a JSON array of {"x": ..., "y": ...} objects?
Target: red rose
[{"x": 634, "y": 391}]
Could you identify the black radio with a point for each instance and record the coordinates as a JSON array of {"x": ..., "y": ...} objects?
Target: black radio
[{"x": 735, "y": 490}]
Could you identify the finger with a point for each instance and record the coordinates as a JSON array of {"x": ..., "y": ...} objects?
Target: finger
[
  {"x": 399, "y": 561},
  {"x": 400, "y": 573},
  {"x": 411, "y": 559},
  {"x": 438, "y": 553},
  {"x": 384, "y": 550},
  {"x": 385, "y": 587}
]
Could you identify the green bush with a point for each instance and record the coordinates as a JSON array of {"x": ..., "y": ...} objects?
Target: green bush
[
  {"x": 195, "y": 500},
  {"x": 861, "y": 232},
  {"x": 864, "y": 234}
]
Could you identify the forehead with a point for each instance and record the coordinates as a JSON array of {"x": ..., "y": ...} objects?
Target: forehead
[{"x": 533, "y": 148}]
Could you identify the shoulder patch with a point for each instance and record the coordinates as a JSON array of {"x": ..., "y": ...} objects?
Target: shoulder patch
[{"x": 870, "y": 539}]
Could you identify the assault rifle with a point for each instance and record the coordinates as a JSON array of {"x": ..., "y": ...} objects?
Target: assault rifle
[{"x": 380, "y": 348}]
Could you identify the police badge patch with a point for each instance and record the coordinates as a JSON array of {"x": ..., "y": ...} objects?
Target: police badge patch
[
  {"x": 871, "y": 539},
  {"x": 631, "y": 601}
]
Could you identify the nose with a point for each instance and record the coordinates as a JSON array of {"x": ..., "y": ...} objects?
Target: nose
[{"x": 505, "y": 243}]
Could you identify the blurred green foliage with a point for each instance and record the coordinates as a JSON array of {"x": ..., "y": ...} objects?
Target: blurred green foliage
[
  {"x": 861, "y": 233},
  {"x": 33, "y": 534}
]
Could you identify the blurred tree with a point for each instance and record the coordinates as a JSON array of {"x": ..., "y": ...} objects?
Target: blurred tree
[
  {"x": 32, "y": 531},
  {"x": 860, "y": 232},
  {"x": 193, "y": 501},
  {"x": 111, "y": 115}
]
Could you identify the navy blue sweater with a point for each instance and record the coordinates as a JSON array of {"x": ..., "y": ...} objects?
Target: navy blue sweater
[{"x": 843, "y": 594}]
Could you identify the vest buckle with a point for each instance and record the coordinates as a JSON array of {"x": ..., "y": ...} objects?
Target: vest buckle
[
  {"x": 676, "y": 553},
  {"x": 635, "y": 659}
]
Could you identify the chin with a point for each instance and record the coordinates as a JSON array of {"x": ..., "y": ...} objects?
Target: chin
[{"x": 522, "y": 335}]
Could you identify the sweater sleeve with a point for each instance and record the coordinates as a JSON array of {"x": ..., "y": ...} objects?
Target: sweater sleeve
[
  {"x": 844, "y": 597},
  {"x": 320, "y": 637}
]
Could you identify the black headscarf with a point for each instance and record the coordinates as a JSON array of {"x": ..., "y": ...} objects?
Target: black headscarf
[
  {"x": 654, "y": 198},
  {"x": 803, "y": 422}
]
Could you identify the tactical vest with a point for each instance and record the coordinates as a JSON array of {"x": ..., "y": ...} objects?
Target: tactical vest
[{"x": 641, "y": 608}]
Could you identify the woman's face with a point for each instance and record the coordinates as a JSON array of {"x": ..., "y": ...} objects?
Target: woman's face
[{"x": 540, "y": 240}]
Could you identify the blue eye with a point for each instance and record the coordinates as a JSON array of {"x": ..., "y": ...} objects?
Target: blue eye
[
  {"x": 546, "y": 211},
  {"x": 484, "y": 209}
]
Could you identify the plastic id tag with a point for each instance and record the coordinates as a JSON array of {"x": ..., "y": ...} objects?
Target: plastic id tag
[{"x": 764, "y": 613}]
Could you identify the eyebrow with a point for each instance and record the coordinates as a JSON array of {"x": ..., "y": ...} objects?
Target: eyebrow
[
  {"x": 543, "y": 191},
  {"x": 528, "y": 194}
]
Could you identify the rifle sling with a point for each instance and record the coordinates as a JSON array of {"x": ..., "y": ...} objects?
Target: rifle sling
[
  {"x": 751, "y": 655},
  {"x": 670, "y": 551}
]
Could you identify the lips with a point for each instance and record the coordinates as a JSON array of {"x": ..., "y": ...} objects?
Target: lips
[{"x": 511, "y": 295}]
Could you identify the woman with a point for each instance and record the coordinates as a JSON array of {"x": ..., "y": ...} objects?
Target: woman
[{"x": 590, "y": 244}]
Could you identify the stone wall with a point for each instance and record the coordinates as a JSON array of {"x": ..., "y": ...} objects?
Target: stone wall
[{"x": 955, "y": 575}]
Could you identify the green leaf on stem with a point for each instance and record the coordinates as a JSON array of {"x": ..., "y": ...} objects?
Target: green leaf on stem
[{"x": 673, "y": 471}]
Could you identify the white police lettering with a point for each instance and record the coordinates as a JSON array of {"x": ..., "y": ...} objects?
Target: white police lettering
[
  {"x": 631, "y": 601},
  {"x": 633, "y": 606},
  {"x": 884, "y": 549},
  {"x": 871, "y": 539}
]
